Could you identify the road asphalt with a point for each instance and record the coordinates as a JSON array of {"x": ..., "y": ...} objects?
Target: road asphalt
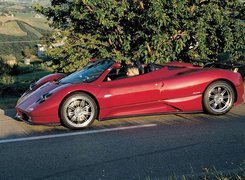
[{"x": 172, "y": 146}]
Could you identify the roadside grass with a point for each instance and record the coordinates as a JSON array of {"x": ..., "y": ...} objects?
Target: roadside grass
[
  {"x": 208, "y": 174},
  {"x": 30, "y": 77},
  {"x": 8, "y": 102},
  {"x": 214, "y": 174},
  {"x": 11, "y": 90}
]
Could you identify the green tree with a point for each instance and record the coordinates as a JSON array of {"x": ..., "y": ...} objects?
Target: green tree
[{"x": 150, "y": 30}]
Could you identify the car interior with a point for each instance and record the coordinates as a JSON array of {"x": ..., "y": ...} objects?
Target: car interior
[{"x": 122, "y": 71}]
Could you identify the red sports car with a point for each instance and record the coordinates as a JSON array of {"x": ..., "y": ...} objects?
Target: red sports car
[{"x": 102, "y": 90}]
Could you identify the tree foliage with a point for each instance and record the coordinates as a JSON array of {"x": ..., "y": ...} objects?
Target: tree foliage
[{"x": 149, "y": 30}]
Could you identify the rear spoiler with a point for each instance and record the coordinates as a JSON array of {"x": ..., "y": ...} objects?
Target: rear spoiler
[{"x": 233, "y": 66}]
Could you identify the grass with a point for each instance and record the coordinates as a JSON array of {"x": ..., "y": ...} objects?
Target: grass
[
  {"x": 16, "y": 7},
  {"x": 214, "y": 174},
  {"x": 34, "y": 31},
  {"x": 29, "y": 77},
  {"x": 4, "y": 19},
  {"x": 18, "y": 86},
  {"x": 208, "y": 174},
  {"x": 21, "y": 31},
  {"x": 36, "y": 22},
  {"x": 9, "y": 26},
  {"x": 29, "y": 18},
  {"x": 12, "y": 28},
  {"x": 8, "y": 102},
  {"x": 19, "y": 36}
]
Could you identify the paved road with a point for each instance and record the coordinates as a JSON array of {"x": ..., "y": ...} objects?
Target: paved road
[{"x": 155, "y": 147}]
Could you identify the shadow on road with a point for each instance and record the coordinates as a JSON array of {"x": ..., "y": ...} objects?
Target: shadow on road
[
  {"x": 9, "y": 112},
  {"x": 12, "y": 128}
]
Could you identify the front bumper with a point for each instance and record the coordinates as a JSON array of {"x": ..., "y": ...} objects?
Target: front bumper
[
  {"x": 39, "y": 120},
  {"x": 24, "y": 118}
]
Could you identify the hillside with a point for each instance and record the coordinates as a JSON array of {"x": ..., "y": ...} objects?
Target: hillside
[
  {"x": 27, "y": 1},
  {"x": 20, "y": 26},
  {"x": 15, "y": 35}
]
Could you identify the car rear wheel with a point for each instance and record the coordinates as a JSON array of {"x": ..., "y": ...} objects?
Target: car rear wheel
[
  {"x": 218, "y": 98},
  {"x": 78, "y": 111}
]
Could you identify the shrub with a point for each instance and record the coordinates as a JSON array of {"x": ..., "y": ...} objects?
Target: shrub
[
  {"x": 28, "y": 52},
  {"x": 4, "y": 68},
  {"x": 9, "y": 59},
  {"x": 24, "y": 69}
]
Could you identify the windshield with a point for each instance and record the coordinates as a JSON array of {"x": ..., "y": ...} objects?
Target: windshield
[{"x": 89, "y": 73}]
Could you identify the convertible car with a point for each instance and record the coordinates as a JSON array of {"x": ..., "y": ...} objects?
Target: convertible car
[{"x": 102, "y": 90}]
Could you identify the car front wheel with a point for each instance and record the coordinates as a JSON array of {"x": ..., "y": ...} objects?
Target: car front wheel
[
  {"x": 78, "y": 111},
  {"x": 218, "y": 98}
]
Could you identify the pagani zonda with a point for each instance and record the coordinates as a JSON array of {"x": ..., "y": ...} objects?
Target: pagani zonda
[{"x": 78, "y": 99}]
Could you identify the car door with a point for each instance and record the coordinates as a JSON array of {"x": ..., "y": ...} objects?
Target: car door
[{"x": 130, "y": 96}]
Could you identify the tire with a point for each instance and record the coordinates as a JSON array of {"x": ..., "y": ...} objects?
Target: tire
[
  {"x": 78, "y": 111},
  {"x": 218, "y": 98}
]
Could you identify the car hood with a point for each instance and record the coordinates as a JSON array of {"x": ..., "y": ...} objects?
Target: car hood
[{"x": 31, "y": 97}]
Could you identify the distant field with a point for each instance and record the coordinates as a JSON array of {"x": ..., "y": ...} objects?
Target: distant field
[
  {"x": 16, "y": 7},
  {"x": 29, "y": 18},
  {"x": 25, "y": 28},
  {"x": 13, "y": 41},
  {"x": 12, "y": 28},
  {"x": 33, "y": 30},
  {"x": 33, "y": 21},
  {"x": 4, "y": 19}
]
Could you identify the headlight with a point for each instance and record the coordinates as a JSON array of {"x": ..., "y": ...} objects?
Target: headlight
[{"x": 44, "y": 97}]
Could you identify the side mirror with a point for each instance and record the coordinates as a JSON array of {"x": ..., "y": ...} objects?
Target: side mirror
[{"x": 117, "y": 66}]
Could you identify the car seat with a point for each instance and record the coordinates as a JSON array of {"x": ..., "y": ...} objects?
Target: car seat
[{"x": 150, "y": 67}]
